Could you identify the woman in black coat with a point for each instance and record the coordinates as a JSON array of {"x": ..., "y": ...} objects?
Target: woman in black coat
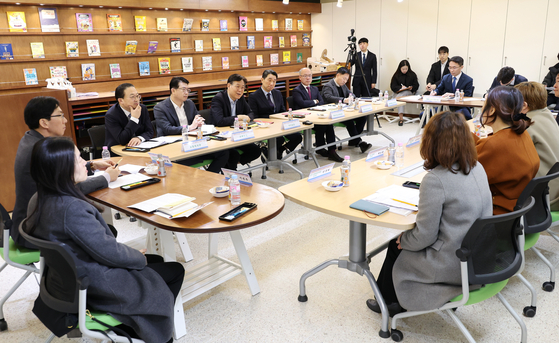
[{"x": 403, "y": 83}]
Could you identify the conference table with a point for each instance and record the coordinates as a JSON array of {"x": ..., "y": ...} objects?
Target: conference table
[{"x": 196, "y": 183}]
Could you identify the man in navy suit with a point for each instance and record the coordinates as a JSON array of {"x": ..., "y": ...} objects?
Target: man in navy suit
[
  {"x": 127, "y": 122},
  {"x": 438, "y": 70},
  {"x": 305, "y": 95},
  {"x": 456, "y": 80},
  {"x": 507, "y": 77},
  {"x": 177, "y": 110},
  {"x": 265, "y": 101},
  {"x": 365, "y": 63},
  {"x": 228, "y": 104}
]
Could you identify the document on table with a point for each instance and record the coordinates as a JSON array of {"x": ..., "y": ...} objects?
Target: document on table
[
  {"x": 158, "y": 141},
  {"x": 411, "y": 98},
  {"x": 128, "y": 179},
  {"x": 170, "y": 205},
  {"x": 396, "y": 197},
  {"x": 131, "y": 168},
  {"x": 206, "y": 130},
  {"x": 474, "y": 99}
]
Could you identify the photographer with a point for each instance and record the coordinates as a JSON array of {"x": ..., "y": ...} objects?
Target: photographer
[{"x": 365, "y": 63}]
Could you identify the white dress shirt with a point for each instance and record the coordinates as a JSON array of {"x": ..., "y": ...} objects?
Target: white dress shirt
[{"x": 181, "y": 114}]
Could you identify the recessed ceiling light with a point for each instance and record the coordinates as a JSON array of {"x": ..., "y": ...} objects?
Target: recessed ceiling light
[
  {"x": 206, "y": 10},
  {"x": 274, "y": 12},
  {"x": 119, "y": 6},
  {"x": 100, "y": 6},
  {"x": 181, "y": 9},
  {"x": 150, "y": 8},
  {"x": 166, "y": 9},
  {"x": 80, "y": 5},
  {"x": 17, "y": 3}
]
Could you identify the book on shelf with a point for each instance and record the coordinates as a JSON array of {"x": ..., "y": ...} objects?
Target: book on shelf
[
  {"x": 144, "y": 68},
  {"x": 152, "y": 46},
  {"x": 161, "y": 24},
  {"x": 282, "y": 42},
  {"x": 16, "y": 21},
  {"x": 115, "y": 70},
  {"x": 216, "y": 42},
  {"x": 286, "y": 57},
  {"x": 72, "y": 49},
  {"x": 59, "y": 71},
  {"x": 130, "y": 48},
  {"x": 6, "y": 52},
  {"x": 288, "y": 24},
  {"x": 225, "y": 63},
  {"x": 300, "y": 24},
  {"x": 275, "y": 25},
  {"x": 223, "y": 25},
  {"x": 306, "y": 39},
  {"x": 299, "y": 57},
  {"x": 49, "y": 19},
  {"x": 88, "y": 71},
  {"x": 259, "y": 60},
  {"x": 205, "y": 25},
  {"x": 93, "y": 48},
  {"x": 268, "y": 43},
  {"x": 245, "y": 61},
  {"x": 251, "y": 42},
  {"x": 187, "y": 24},
  {"x": 84, "y": 22},
  {"x": 187, "y": 65},
  {"x": 207, "y": 63},
  {"x": 274, "y": 59},
  {"x": 114, "y": 22},
  {"x": 164, "y": 65},
  {"x": 140, "y": 22},
  {"x": 234, "y": 43},
  {"x": 199, "y": 45},
  {"x": 37, "y": 50},
  {"x": 243, "y": 23},
  {"x": 293, "y": 41},
  {"x": 175, "y": 44},
  {"x": 259, "y": 24},
  {"x": 30, "y": 75}
]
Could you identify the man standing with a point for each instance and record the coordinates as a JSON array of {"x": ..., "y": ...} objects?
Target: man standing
[
  {"x": 507, "y": 77},
  {"x": 456, "y": 80},
  {"x": 177, "y": 110},
  {"x": 365, "y": 63},
  {"x": 438, "y": 70},
  {"x": 336, "y": 90}
]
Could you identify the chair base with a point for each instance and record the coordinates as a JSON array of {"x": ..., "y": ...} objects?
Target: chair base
[{"x": 3, "y": 325}]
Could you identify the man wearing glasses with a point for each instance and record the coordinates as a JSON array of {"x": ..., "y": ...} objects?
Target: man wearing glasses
[
  {"x": 456, "y": 80},
  {"x": 127, "y": 122},
  {"x": 177, "y": 110}
]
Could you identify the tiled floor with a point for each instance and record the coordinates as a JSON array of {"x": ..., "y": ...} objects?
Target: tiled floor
[{"x": 287, "y": 246}]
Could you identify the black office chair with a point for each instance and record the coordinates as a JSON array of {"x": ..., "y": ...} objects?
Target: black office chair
[
  {"x": 207, "y": 115},
  {"x": 97, "y": 136},
  {"x": 154, "y": 125},
  {"x": 290, "y": 102}
]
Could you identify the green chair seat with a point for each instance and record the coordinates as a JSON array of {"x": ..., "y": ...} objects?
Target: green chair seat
[
  {"x": 104, "y": 317},
  {"x": 339, "y": 124},
  {"x": 201, "y": 164},
  {"x": 22, "y": 255},
  {"x": 554, "y": 216},
  {"x": 483, "y": 293},
  {"x": 531, "y": 240}
]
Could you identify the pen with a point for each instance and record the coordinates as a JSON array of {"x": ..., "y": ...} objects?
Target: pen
[
  {"x": 116, "y": 165},
  {"x": 134, "y": 184},
  {"x": 403, "y": 202}
]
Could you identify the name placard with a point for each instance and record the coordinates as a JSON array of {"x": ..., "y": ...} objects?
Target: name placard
[
  {"x": 337, "y": 114},
  {"x": 242, "y": 135},
  {"x": 375, "y": 154},
  {"x": 429, "y": 98},
  {"x": 365, "y": 108},
  {"x": 194, "y": 145},
  {"x": 290, "y": 124},
  {"x": 167, "y": 160},
  {"x": 391, "y": 102},
  {"x": 321, "y": 172},
  {"x": 413, "y": 141},
  {"x": 242, "y": 177}
]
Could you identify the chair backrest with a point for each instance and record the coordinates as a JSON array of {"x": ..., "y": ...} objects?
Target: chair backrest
[
  {"x": 538, "y": 219},
  {"x": 5, "y": 224},
  {"x": 491, "y": 247},
  {"x": 290, "y": 102},
  {"x": 154, "y": 124},
  {"x": 207, "y": 115},
  {"x": 97, "y": 136}
]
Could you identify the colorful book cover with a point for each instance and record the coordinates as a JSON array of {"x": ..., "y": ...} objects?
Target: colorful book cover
[
  {"x": 161, "y": 24},
  {"x": 187, "y": 65},
  {"x": 251, "y": 43},
  {"x": 140, "y": 22},
  {"x": 115, "y": 70},
  {"x": 199, "y": 45},
  {"x": 286, "y": 57},
  {"x": 175, "y": 44},
  {"x": 88, "y": 71},
  {"x": 234, "y": 43},
  {"x": 259, "y": 60},
  {"x": 72, "y": 49},
  {"x": 293, "y": 41},
  {"x": 187, "y": 24},
  {"x": 275, "y": 25},
  {"x": 130, "y": 48},
  {"x": 59, "y": 71},
  {"x": 84, "y": 22},
  {"x": 6, "y": 52},
  {"x": 259, "y": 24},
  {"x": 37, "y": 50},
  {"x": 288, "y": 24},
  {"x": 114, "y": 22},
  {"x": 281, "y": 42},
  {"x": 243, "y": 23},
  {"x": 49, "y": 19},
  {"x": 164, "y": 65},
  {"x": 144, "y": 68},
  {"x": 205, "y": 25},
  {"x": 152, "y": 47},
  {"x": 245, "y": 61},
  {"x": 306, "y": 39},
  {"x": 300, "y": 24},
  {"x": 268, "y": 42},
  {"x": 30, "y": 76},
  {"x": 16, "y": 21},
  {"x": 299, "y": 57},
  {"x": 225, "y": 63},
  {"x": 93, "y": 48},
  {"x": 207, "y": 63},
  {"x": 216, "y": 42},
  {"x": 274, "y": 59},
  {"x": 223, "y": 25}
]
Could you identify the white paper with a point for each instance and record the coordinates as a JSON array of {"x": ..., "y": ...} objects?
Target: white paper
[
  {"x": 206, "y": 130},
  {"x": 155, "y": 142},
  {"x": 187, "y": 214},
  {"x": 411, "y": 97},
  {"x": 128, "y": 179},
  {"x": 386, "y": 196},
  {"x": 474, "y": 99},
  {"x": 131, "y": 168},
  {"x": 153, "y": 204}
]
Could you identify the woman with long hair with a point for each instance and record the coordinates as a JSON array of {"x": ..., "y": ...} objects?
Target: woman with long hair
[{"x": 404, "y": 82}]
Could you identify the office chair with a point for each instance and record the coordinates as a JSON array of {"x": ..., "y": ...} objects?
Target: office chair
[
  {"x": 154, "y": 125},
  {"x": 97, "y": 136},
  {"x": 58, "y": 258},
  {"x": 14, "y": 256},
  {"x": 289, "y": 102},
  {"x": 207, "y": 115},
  {"x": 490, "y": 254}
]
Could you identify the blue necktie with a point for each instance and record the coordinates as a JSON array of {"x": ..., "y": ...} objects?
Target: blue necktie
[
  {"x": 270, "y": 101},
  {"x": 363, "y": 54},
  {"x": 454, "y": 84}
]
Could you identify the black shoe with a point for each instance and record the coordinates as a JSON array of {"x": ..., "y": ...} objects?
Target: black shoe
[
  {"x": 401, "y": 123},
  {"x": 365, "y": 146},
  {"x": 393, "y": 309},
  {"x": 281, "y": 149},
  {"x": 333, "y": 156},
  {"x": 322, "y": 152},
  {"x": 354, "y": 145}
]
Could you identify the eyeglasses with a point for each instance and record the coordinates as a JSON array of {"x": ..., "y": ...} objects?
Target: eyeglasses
[
  {"x": 184, "y": 89},
  {"x": 453, "y": 68},
  {"x": 135, "y": 96},
  {"x": 306, "y": 75},
  {"x": 57, "y": 115},
  {"x": 241, "y": 87}
]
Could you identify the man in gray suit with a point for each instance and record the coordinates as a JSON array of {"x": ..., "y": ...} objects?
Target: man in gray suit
[{"x": 335, "y": 91}]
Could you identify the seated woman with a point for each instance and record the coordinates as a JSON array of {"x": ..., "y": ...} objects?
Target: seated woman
[
  {"x": 404, "y": 82},
  {"x": 508, "y": 154},
  {"x": 124, "y": 283},
  {"x": 453, "y": 194}
]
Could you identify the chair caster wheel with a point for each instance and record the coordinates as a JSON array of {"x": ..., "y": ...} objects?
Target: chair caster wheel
[
  {"x": 397, "y": 335},
  {"x": 132, "y": 219},
  {"x": 281, "y": 172},
  {"x": 263, "y": 177},
  {"x": 529, "y": 311},
  {"x": 3, "y": 325},
  {"x": 294, "y": 162},
  {"x": 250, "y": 174},
  {"x": 307, "y": 157},
  {"x": 117, "y": 216},
  {"x": 340, "y": 147},
  {"x": 302, "y": 298},
  {"x": 548, "y": 286}
]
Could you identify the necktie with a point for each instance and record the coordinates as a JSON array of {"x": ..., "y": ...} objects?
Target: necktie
[
  {"x": 454, "y": 84},
  {"x": 363, "y": 54},
  {"x": 129, "y": 116},
  {"x": 270, "y": 100},
  {"x": 309, "y": 91}
]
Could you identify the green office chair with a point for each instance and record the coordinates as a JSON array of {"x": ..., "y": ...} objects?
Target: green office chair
[{"x": 490, "y": 254}]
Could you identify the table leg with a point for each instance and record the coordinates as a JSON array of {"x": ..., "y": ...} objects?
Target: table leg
[
  {"x": 183, "y": 244},
  {"x": 245, "y": 261},
  {"x": 212, "y": 245}
]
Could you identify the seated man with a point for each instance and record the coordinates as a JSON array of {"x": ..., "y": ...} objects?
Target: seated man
[
  {"x": 305, "y": 95},
  {"x": 265, "y": 101},
  {"x": 177, "y": 110},
  {"x": 507, "y": 77},
  {"x": 127, "y": 123},
  {"x": 336, "y": 90},
  {"x": 228, "y": 104},
  {"x": 44, "y": 118},
  {"x": 438, "y": 70},
  {"x": 456, "y": 80},
  {"x": 549, "y": 81}
]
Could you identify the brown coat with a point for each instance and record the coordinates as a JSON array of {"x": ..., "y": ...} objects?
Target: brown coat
[{"x": 510, "y": 161}]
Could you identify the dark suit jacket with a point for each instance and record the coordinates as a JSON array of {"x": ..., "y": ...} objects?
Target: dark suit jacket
[
  {"x": 119, "y": 130},
  {"x": 301, "y": 97},
  {"x": 330, "y": 92},
  {"x": 260, "y": 105},
  {"x": 517, "y": 79},
  {"x": 465, "y": 83},
  {"x": 369, "y": 68},
  {"x": 221, "y": 109},
  {"x": 435, "y": 76},
  {"x": 167, "y": 120}
]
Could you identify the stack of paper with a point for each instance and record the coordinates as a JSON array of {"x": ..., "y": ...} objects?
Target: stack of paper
[
  {"x": 170, "y": 205},
  {"x": 396, "y": 196},
  {"x": 158, "y": 141},
  {"x": 128, "y": 179}
]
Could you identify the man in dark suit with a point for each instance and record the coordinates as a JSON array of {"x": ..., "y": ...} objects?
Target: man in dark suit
[
  {"x": 365, "y": 63},
  {"x": 456, "y": 80},
  {"x": 177, "y": 110},
  {"x": 335, "y": 91},
  {"x": 438, "y": 70},
  {"x": 228, "y": 104},
  {"x": 305, "y": 95},
  {"x": 265, "y": 101},
  {"x": 507, "y": 77},
  {"x": 127, "y": 122}
]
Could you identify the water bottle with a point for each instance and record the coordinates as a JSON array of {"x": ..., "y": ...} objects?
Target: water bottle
[
  {"x": 235, "y": 190},
  {"x": 339, "y": 105},
  {"x": 245, "y": 125},
  {"x": 199, "y": 133},
  {"x": 462, "y": 95},
  {"x": 356, "y": 104},
  {"x": 345, "y": 169},
  {"x": 385, "y": 95},
  {"x": 105, "y": 154},
  {"x": 236, "y": 125},
  {"x": 400, "y": 155},
  {"x": 391, "y": 152},
  {"x": 160, "y": 165},
  {"x": 457, "y": 95},
  {"x": 290, "y": 114},
  {"x": 185, "y": 133}
]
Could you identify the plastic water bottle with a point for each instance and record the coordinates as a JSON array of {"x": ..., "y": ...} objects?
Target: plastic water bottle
[
  {"x": 105, "y": 154},
  {"x": 245, "y": 125},
  {"x": 462, "y": 95},
  {"x": 290, "y": 114},
  {"x": 236, "y": 124},
  {"x": 345, "y": 169},
  {"x": 235, "y": 190},
  {"x": 161, "y": 165},
  {"x": 185, "y": 133},
  {"x": 339, "y": 105},
  {"x": 400, "y": 155},
  {"x": 199, "y": 133},
  {"x": 346, "y": 157},
  {"x": 457, "y": 95},
  {"x": 385, "y": 95}
]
